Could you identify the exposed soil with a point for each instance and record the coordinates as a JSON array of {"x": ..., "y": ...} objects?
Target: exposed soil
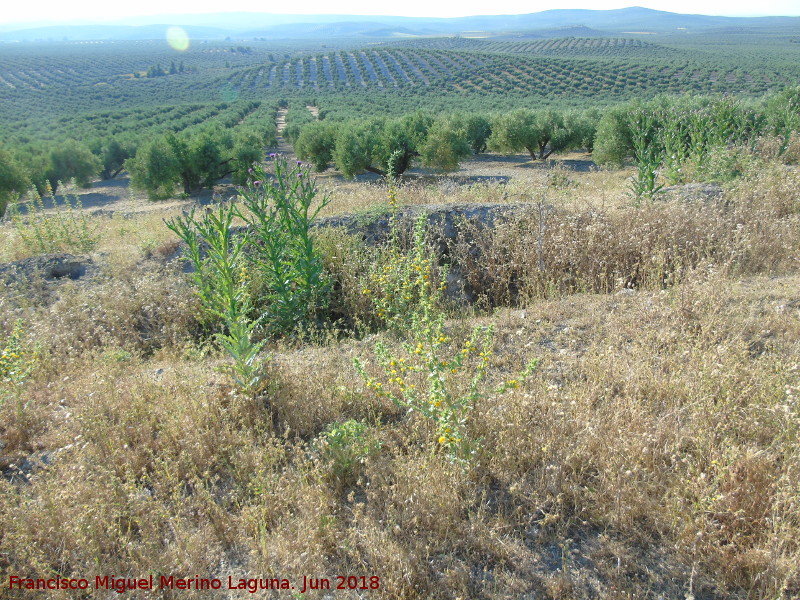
[{"x": 116, "y": 196}]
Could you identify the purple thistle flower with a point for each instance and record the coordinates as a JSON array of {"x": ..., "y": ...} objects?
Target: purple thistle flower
[
  {"x": 299, "y": 163},
  {"x": 256, "y": 184},
  {"x": 250, "y": 170},
  {"x": 272, "y": 155}
]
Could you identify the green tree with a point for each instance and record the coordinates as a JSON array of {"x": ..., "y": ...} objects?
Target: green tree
[
  {"x": 613, "y": 141},
  {"x": 446, "y": 143},
  {"x": 381, "y": 146},
  {"x": 202, "y": 162},
  {"x": 13, "y": 179},
  {"x": 355, "y": 148},
  {"x": 193, "y": 162},
  {"x": 247, "y": 151},
  {"x": 317, "y": 142},
  {"x": 478, "y": 129},
  {"x": 155, "y": 169},
  {"x": 112, "y": 154},
  {"x": 583, "y": 127},
  {"x": 72, "y": 160},
  {"x": 539, "y": 132}
]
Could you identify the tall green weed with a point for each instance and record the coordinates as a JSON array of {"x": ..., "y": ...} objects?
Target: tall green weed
[
  {"x": 221, "y": 276},
  {"x": 279, "y": 209},
  {"x": 65, "y": 228},
  {"x": 266, "y": 278}
]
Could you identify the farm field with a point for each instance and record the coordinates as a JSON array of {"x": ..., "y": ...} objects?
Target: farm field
[{"x": 491, "y": 315}]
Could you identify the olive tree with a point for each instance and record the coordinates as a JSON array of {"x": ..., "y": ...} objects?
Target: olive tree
[
  {"x": 71, "y": 160},
  {"x": 446, "y": 144},
  {"x": 540, "y": 133},
  {"x": 13, "y": 179},
  {"x": 317, "y": 143}
]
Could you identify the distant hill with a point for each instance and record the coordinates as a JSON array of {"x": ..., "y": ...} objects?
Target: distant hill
[
  {"x": 107, "y": 32},
  {"x": 548, "y": 23},
  {"x": 597, "y": 47}
]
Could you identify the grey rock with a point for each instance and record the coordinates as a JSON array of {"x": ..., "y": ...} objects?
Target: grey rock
[
  {"x": 49, "y": 267},
  {"x": 693, "y": 191},
  {"x": 374, "y": 228}
]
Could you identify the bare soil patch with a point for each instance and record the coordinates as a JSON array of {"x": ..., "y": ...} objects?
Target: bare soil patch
[{"x": 116, "y": 195}]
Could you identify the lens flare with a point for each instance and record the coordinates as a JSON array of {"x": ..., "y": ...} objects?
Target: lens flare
[{"x": 178, "y": 39}]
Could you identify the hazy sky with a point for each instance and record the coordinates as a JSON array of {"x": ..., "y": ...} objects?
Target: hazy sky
[{"x": 96, "y": 10}]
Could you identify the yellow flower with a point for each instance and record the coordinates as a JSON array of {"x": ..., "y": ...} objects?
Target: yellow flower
[{"x": 442, "y": 439}]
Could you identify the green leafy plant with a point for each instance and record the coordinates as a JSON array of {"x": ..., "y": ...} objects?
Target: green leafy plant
[
  {"x": 646, "y": 155},
  {"x": 673, "y": 138},
  {"x": 346, "y": 444},
  {"x": 428, "y": 375},
  {"x": 400, "y": 282},
  {"x": 280, "y": 209},
  {"x": 65, "y": 228},
  {"x": 16, "y": 359},
  {"x": 220, "y": 273}
]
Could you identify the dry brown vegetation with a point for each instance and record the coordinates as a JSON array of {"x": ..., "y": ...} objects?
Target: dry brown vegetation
[{"x": 654, "y": 452}]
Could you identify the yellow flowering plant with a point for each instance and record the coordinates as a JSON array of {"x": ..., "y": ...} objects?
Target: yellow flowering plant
[
  {"x": 423, "y": 377},
  {"x": 16, "y": 359},
  {"x": 431, "y": 375},
  {"x": 399, "y": 283},
  {"x": 427, "y": 377}
]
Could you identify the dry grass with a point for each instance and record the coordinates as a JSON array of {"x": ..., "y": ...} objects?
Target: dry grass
[{"x": 655, "y": 452}]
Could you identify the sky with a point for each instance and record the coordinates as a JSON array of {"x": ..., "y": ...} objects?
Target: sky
[{"x": 102, "y": 10}]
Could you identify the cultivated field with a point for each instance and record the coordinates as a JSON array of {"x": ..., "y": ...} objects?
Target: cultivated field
[{"x": 595, "y": 394}]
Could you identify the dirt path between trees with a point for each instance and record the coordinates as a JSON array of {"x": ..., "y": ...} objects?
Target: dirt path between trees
[{"x": 283, "y": 146}]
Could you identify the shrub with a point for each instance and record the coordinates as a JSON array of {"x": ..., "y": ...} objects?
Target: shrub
[
  {"x": 345, "y": 445},
  {"x": 16, "y": 359}
]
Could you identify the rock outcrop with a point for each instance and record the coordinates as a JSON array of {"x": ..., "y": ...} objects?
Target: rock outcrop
[{"x": 49, "y": 267}]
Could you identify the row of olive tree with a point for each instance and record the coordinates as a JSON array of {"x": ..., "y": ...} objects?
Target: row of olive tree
[
  {"x": 384, "y": 146},
  {"x": 44, "y": 168},
  {"x": 104, "y": 145},
  {"x": 194, "y": 162}
]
